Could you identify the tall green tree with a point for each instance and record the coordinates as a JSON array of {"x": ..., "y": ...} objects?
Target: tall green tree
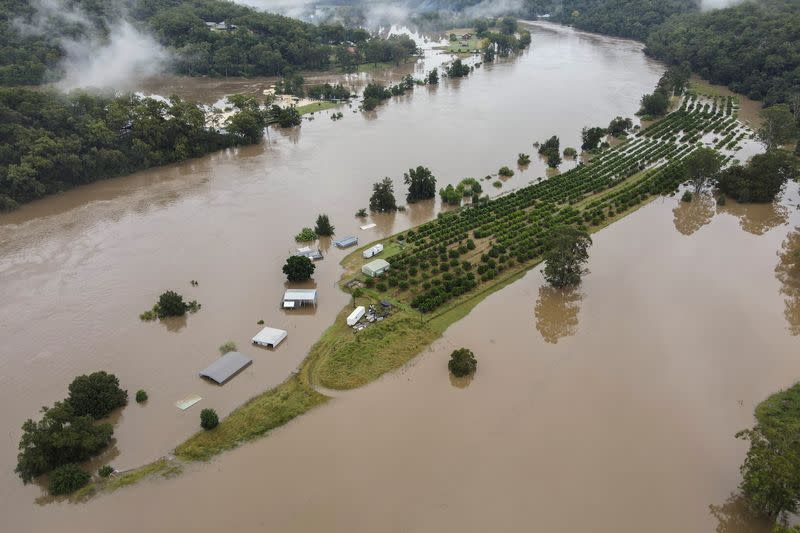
[
  {"x": 566, "y": 254},
  {"x": 324, "y": 228},
  {"x": 382, "y": 199},
  {"x": 778, "y": 126},
  {"x": 421, "y": 184},
  {"x": 702, "y": 166},
  {"x": 761, "y": 179}
]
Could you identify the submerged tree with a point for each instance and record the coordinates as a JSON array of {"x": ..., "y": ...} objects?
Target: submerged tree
[
  {"x": 779, "y": 126},
  {"x": 591, "y": 137},
  {"x": 382, "y": 199},
  {"x": 324, "y": 228},
  {"x": 462, "y": 362},
  {"x": 421, "y": 184},
  {"x": 298, "y": 268},
  {"x": 433, "y": 77},
  {"x": 761, "y": 179},
  {"x": 66, "y": 479},
  {"x": 60, "y": 437},
  {"x": 701, "y": 166},
  {"x": 96, "y": 395},
  {"x": 567, "y": 251}
]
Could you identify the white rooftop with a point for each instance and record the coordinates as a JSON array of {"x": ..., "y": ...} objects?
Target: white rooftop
[
  {"x": 300, "y": 295},
  {"x": 270, "y": 337}
]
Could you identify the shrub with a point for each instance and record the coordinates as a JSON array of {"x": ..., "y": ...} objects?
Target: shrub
[
  {"x": 523, "y": 160},
  {"x": 462, "y": 362},
  {"x": 141, "y": 396},
  {"x": 570, "y": 152},
  {"x": 381, "y": 287},
  {"x": 208, "y": 419},
  {"x": 96, "y": 395},
  {"x": 105, "y": 471},
  {"x": 687, "y": 196},
  {"x": 305, "y": 235},
  {"x": 505, "y": 172},
  {"x": 229, "y": 346},
  {"x": 67, "y": 478},
  {"x": 497, "y": 184},
  {"x": 170, "y": 303},
  {"x": 361, "y": 212}
]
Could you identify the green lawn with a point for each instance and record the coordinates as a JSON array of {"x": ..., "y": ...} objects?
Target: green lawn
[{"x": 317, "y": 106}]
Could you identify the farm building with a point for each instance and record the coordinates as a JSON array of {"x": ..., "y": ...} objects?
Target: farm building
[
  {"x": 375, "y": 268},
  {"x": 346, "y": 242},
  {"x": 226, "y": 367},
  {"x": 299, "y": 297},
  {"x": 270, "y": 337},
  {"x": 373, "y": 251},
  {"x": 307, "y": 251}
]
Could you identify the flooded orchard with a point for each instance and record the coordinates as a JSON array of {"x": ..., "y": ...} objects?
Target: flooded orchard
[{"x": 620, "y": 399}]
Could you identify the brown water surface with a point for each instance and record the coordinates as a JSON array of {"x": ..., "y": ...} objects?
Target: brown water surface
[{"x": 627, "y": 417}]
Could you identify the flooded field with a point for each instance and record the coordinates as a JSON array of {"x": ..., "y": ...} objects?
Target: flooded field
[{"x": 620, "y": 398}]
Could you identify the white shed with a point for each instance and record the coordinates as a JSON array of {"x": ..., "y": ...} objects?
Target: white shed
[
  {"x": 293, "y": 298},
  {"x": 356, "y": 315},
  {"x": 371, "y": 252},
  {"x": 270, "y": 337},
  {"x": 375, "y": 268}
]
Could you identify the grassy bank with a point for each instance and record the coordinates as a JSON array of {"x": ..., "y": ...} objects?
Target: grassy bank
[{"x": 317, "y": 106}]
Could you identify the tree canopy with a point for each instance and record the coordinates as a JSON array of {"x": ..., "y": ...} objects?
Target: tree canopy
[
  {"x": 779, "y": 126},
  {"x": 51, "y": 142},
  {"x": 566, "y": 253},
  {"x": 299, "y": 268},
  {"x": 421, "y": 184},
  {"x": 701, "y": 166},
  {"x": 324, "y": 228},
  {"x": 205, "y": 37},
  {"x": 382, "y": 199},
  {"x": 96, "y": 395},
  {"x": 59, "y": 438},
  {"x": 761, "y": 179},
  {"x": 462, "y": 362}
]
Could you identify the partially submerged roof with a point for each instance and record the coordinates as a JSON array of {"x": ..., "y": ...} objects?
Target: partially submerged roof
[
  {"x": 226, "y": 367},
  {"x": 300, "y": 295},
  {"x": 347, "y": 241},
  {"x": 270, "y": 337}
]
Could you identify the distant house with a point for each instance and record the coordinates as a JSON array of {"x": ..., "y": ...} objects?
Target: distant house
[
  {"x": 375, "y": 268},
  {"x": 294, "y": 298},
  {"x": 466, "y": 37},
  {"x": 220, "y": 26}
]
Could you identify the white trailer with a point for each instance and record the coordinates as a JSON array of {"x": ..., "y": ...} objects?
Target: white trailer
[
  {"x": 356, "y": 315},
  {"x": 372, "y": 252}
]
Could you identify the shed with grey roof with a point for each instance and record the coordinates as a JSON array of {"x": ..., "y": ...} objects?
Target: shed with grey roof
[{"x": 226, "y": 367}]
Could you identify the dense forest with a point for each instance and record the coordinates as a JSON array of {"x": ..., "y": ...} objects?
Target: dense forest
[
  {"x": 754, "y": 48},
  {"x": 204, "y": 37},
  {"x": 50, "y": 142},
  {"x": 634, "y": 19}
]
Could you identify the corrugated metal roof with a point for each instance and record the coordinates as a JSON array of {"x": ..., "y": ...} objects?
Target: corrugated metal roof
[
  {"x": 377, "y": 264},
  {"x": 347, "y": 241},
  {"x": 226, "y": 367},
  {"x": 300, "y": 295}
]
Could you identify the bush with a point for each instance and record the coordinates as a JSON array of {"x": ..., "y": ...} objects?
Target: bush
[
  {"x": 208, "y": 419},
  {"x": 141, "y": 396},
  {"x": 361, "y": 212},
  {"x": 570, "y": 152},
  {"x": 687, "y": 196},
  {"x": 229, "y": 346},
  {"x": 105, "y": 471},
  {"x": 96, "y": 395},
  {"x": 305, "y": 235},
  {"x": 298, "y": 268},
  {"x": 505, "y": 172},
  {"x": 497, "y": 184},
  {"x": 523, "y": 160},
  {"x": 462, "y": 362},
  {"x": 67, "y": 478}
]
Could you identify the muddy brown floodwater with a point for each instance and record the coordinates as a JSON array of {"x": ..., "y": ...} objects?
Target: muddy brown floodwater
[{"x": 606, "y": 409}]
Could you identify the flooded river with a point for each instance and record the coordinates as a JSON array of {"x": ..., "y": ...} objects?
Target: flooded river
[{"x": 605, "y": 409}]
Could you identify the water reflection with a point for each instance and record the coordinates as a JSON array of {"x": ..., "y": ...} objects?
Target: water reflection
[
  {"x": 788, "y": 273},
  {"x": 557, "y": 311},
  {"x": 691, "y": 216},
  {"x": 756, "y": 218},
  {"x": 462, "y": 382},
  {"x": 734, "y": 516},
  {"x": 175, "y": 324}
]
